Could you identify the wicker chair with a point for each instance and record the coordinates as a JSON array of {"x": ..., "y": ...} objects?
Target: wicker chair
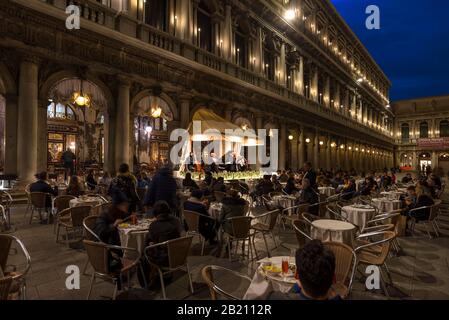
[
  {"x": 302, "y": 232},
  {"x": 27, "y": 192},
  {"x": 265, "y": 225},
  {"x": 374, "y": 250},
  {"x": 345, "y": 265},
  {"x": 293, "y": 213},
  {"x": 240, "y": 231},
  {"x": 430, "y": 222},
  {"x": 100, "y": 208},
  {"x": 17, "y": 272},
  {"x": 5, "y": 285},
  {"x": 215, "y": 290},
  {"x": 6, "y": 201},
  {"x": 99, "y": 254},
  {"x": 192, "y": 220},
  {"x": 71, "y": 219},
  {"x": 61, "y": 203},
  {"x": 219, "y": 196},
  {"x": 178, "y": 251},
  {"x": 38, "y": 202},
  {"x": 309, "y": 217},
  {"x": 89, "y": 234}
]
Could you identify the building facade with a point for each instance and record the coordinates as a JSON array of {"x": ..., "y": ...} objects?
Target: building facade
[
  {"x": 422, "y": 133},
  {"x": 292, "y": 65}
]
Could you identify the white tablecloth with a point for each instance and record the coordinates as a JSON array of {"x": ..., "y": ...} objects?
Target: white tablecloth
[
  {"x": 358, "y": 215},
  {"x": 134, "y": 236},
  {"x": 333, "y": 230},
  {"x": 284, "y": 202},
  {"x": 261, "y": 286},
  {"x": 91, "y": 201},
  {"x": 328, "y": 191},
  {"x": 385, "y": 205},
  {"x": 392, "y": 194}
]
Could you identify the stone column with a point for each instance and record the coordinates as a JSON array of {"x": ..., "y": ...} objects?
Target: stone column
[
  {"x": 301, "y": 148},
  {"x": 301, "y": 75},
  {"x": 228, "y": 51},
  {"x": 123, "y": 122},
  {"x": 109, "y": 140},
  {"x": 338, "y": 160},
  {"x": 314, "y": 94},
  {"x": 294, "y": 150},
  {"x": 27, "y": 121},
  {"x": 282, "y": 146},
  {"x": 328, "y": 153},
  {"x": 282, "y": 74},
  {"x": 259, "y": 125},
  {"x": 316, "y": 150},
  {"x": 185, "y": 111},
  {"x": 42, "y": 146},
  {"x": 337, "y": 103},
  {"x": 11, "y": 123}
]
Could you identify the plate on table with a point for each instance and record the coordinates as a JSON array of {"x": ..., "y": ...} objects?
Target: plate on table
[{"x": 274, "y": 272}]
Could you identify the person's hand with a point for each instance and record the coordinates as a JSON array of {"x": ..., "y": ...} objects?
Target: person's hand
[{"x": 118, "y": 222}]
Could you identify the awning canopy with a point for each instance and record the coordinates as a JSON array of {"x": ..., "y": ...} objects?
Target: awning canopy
[{"x": 228, "y": 131}]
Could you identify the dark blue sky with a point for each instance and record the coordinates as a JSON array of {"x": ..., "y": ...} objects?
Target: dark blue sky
[{"x": 412, "y": 46}]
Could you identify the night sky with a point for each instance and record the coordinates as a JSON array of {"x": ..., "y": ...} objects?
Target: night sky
[{"x": 412, "y": 45}]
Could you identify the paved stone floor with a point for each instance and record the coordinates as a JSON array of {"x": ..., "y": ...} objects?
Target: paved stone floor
[{"x": 420, "y": 271}]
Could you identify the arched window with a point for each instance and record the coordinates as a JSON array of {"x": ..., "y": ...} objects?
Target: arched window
[
  {"x": 423, "y": 130},
  {"x": 156, "y": 13},
  {"x": 444, "y": 128},
  {"x": 405, "y": 131},
  {"x": 60, "y": 111},
  {"x": 204, "y": 27}
]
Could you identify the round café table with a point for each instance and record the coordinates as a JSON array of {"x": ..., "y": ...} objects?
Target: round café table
[
  {"x": 284, "y": 202},
  {"x": 385, "y": 205},
  {"x": 334, "y": 230},
  {"x": 392, "y": 194},
  {"x": 358, "y": 215},
  {"x": 328, "y": 191},
  {"x": 133, "y": 236},
  {"x": 215, "y": 210},
  {"x": 89, "y": 201}
]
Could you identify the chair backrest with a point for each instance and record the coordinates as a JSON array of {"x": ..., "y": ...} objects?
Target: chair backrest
[
  {"x": 100, "y": 208},
  {"x": 272, "y": 218},
  {"x": 215, "y": 290},
  {"x": 5, "y": 285},
  {"x": 309, "y": 217},
  {"x": 5, "y": 246},
  {"x": 345, "y": 262},
  {"x": 275, "y": 193},
  {"x": 6, "y": 199},
  {"x": 434, "y": 212},
  {"x": 62, "y": 202},
  {"x": 98, "y": 254},
  {"x": 89, "y": 225},
  {"x": 240, "y": 227},
  {"x": 384, "y": 243},
  {"x": 178, "y": 251},
  {"x": 6, "y": 241},
  {"x": 192, "y": 219},
  {"x": 38, "y": 199},
  {"x": 78, "y": 214},
  {"x": 302, "y": 232}
]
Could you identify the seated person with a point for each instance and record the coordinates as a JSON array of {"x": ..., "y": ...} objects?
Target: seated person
[
  {"x": 368, "y": 186},
  {"x": 349, "y": 190},
  {"x": 207, "y": 226},
  {"x": 407, "y": 178},
  {"x": 290, "y": 188},
  {"x": 219, "y": 185},
  {"x": 315, "y": 267},
  {"x": 308, "y": 195},
  {"x": 233, "y": 206},
  {"x": 417, "y": 200},
  {"x": 90, "y": 180},
  {"x": 276, "y": 184},
  {"x": 106, "y": 226},
  {"x": 283, "y": 177},
  {"x": 188, "y": 182},
  {"x": 165, "y": 228},
  {"x": 41, "y": 185},
  {"x": 75, "y": 188},
  {"x": 142, "y": 182},
  {"x": 265, "y": 186}
]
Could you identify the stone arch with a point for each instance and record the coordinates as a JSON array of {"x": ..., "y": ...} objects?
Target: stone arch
[
  {"x": 59, "y": 76},
  {"x": 163, "y": 96},
  {"x": 242, "y": 121}
]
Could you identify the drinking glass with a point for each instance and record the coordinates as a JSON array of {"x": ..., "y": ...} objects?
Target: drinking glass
[{"x": 285, "y": 265}]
